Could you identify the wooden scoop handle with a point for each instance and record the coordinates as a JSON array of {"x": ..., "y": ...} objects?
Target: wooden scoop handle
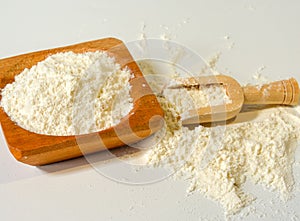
[{"x": 278, "y": 92}]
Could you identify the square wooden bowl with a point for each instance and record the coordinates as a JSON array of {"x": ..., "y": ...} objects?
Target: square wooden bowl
[{"x": 144, "y": 119}]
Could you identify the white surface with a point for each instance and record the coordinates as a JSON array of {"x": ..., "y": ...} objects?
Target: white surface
[{"x": 264, "y": 34}]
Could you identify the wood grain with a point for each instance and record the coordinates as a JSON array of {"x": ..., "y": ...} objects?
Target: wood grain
[
  {"x": 219, "y": 112},
  {"x": 37, "y": 149},
  {"x": 284, "y": 92},
  {"x": 279, "y": 92}
]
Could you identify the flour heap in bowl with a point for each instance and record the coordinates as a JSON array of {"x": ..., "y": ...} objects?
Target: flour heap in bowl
[{"x": 69, "y": 94}]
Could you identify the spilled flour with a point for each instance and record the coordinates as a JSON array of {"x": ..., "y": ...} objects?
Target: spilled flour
[
  {"x": 260, "y": 151},
  {"x": 69, "y": 94}
]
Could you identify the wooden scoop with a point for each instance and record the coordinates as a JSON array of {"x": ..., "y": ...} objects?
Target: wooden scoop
[
  {"x": 144, "y": 119},
  {"x": 285, "y": 92}
]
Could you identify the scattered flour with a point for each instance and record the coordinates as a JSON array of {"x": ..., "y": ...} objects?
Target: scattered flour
[
  {"x": 230, "y": 43},
  {"x": 226, "y": 37},
  {"x": 69, "y": 94},
  {"x": 212, "y": 62},
  {"x": 260, "y": 151},
  {"x": 142, "y": 31},
  {"x": 259, "y": 78}
]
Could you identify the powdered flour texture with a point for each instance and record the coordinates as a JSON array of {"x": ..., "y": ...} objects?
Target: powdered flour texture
[
  {"x": 260, "y": 151},
  {"x": 69, "y": 94},
  {"x": 193, "y": 98}
]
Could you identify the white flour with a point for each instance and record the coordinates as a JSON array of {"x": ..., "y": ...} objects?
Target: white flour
[
  {"x": 260, "y": 151},
  {"x": 193, "y": 98},
  {"x": 69, "y": 94}
]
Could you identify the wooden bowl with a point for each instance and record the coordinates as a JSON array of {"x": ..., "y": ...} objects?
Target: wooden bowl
[{"x": 144, "y": 119}]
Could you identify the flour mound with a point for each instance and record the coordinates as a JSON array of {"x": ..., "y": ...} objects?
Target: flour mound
[
  {"x": 261, "y": 152},
  {"x": 69, "y": 94}
]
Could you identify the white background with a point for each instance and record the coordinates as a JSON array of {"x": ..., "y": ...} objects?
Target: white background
[{"x": 261, "y": 34}]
